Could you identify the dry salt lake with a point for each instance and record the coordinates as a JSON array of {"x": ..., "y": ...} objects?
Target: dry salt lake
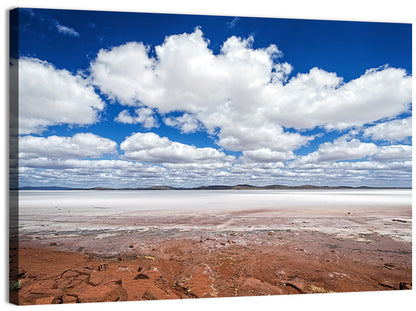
[
  {"x": 262, "y": 242},
  {"x": 104, "y": 214}
]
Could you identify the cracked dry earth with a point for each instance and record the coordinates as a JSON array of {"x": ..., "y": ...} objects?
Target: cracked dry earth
[{"x": 214, "y": 265}]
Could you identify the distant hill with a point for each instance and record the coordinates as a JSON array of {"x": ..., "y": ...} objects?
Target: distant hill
[
  {"x": 45, "y": 188},
  {"x": 213, "y": 187},
  {"x": 220, "y": 187}
]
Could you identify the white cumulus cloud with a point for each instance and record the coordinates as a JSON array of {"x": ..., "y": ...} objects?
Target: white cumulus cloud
[
  {"x": 144, "y": 116},
  {"x": 341, "y": 149},
  {"x": 81, "y": 145},
  {"x": 320, "y": 98},
  {"x": 243, "y": 95},
  {"x": 268, "y": 155},
  {"x": 89, "y": 173},
  {"x": 393, "y": 153},
  {"x": 395, "y": 130},
  {"x": 126, "y": 73},
  {"x": 248, "y": 99},
  {"x": 150, "y": 147},
  {"x": 49, "y": 96},
  {"x": 186, "y": 123}
]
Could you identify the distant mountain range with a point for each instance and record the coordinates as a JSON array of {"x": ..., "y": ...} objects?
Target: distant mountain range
[
  {"x": 45, "y": 188},
  {"x": 220, "y": 187}
]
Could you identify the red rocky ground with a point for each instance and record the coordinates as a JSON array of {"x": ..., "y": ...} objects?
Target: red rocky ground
[{"x": 212, "y": 265}]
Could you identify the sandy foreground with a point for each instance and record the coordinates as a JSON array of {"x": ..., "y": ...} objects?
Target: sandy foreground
[{"x": 249, "y": 252}]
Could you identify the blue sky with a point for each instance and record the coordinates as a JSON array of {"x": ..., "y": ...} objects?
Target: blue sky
[{"x": 135, "y": 99}]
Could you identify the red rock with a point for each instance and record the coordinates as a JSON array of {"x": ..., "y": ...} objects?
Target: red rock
[
  {"x": 69, "y": 283},
  {"x": 20, "y": 272},
  {"x": 96, "y": 278},
  {"x": 69, "y": 274},
  {"x": 42, "y": 287},
  {"x": 390, "y": 266},
  {"x": 47, "y": 301},
  {"x": 102, "y": 267},
  {"x": 141, "y": 276},
  {"x": 69, "y": 299},
  {"x": 405, "y": 285},
  {"x": 103, "y": 293},
  {"x": 149, "y": 296},
  {"x": 201, "y": 269},
  {"x": 387, "y": 284}
]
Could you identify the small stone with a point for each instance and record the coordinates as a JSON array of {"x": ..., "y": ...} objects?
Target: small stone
[
  {"x": 387, "y": 284},
  {"x": 389, "y": 266},
  {"x": 69, "y": 299},
  {"x": 20, "y": 272},
  {"x": 103, "y": 293},
  {"x": 149, "y": 296},
  {"x": 96, "y": 278},
  {"x": 141, "y": 276},
  {"x": 102, "y": 267},
  {"x": 47, "y": 301},
  {"x": 152, "y": 258},
  {"x": 69, "y": 274},
  {"x": 405, "y": 285},
  {"x": 43, "y": 287},
  {"x": 143, "y": 270}
]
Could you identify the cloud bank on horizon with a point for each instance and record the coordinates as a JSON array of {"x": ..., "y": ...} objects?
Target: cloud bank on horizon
[{"x": 179, "y": 113}]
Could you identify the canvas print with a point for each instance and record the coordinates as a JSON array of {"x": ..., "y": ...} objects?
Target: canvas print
[{"x": 167, "y": 156}]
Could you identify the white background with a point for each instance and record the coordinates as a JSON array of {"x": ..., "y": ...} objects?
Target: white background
[{"x": 403, "y": 11}]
